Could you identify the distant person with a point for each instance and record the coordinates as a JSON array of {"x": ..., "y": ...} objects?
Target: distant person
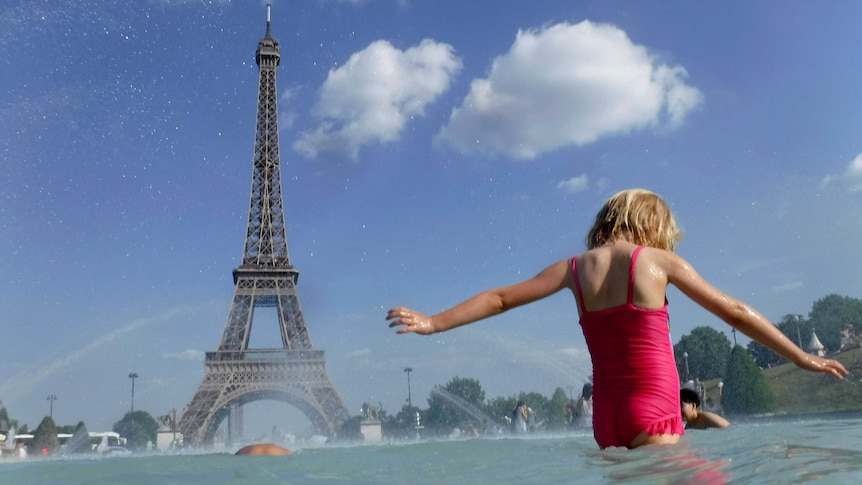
[
  {"x": 582, "y": 414},
  {"x": 263, "y": 449},
  {"x": 619, "y": 286},
  {"x": 693, "y": 416},
  {"x": 699, "y": 388},
  {"x": 520, "y": 418},
  {"x": 20, "y": 450}
]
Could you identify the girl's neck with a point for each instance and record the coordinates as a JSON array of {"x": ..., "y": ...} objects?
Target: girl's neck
[{"x": 621, "y": 241}]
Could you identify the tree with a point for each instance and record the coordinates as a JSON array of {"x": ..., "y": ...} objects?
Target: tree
[
  {"x": 68, "y": 428},
  {"x": 6, "y": 423},
  {"x": 555, "y": 411},
  {"x": 403, "y": 426},
  {"x": 745, "y": 389},
  {"x": 351, "y": 428},
  {"x": 459, "y": 401},
  {"x": 708, "y": 351},
  {"x": 762, "y": 355},
  {"x": 500, "y": 407},
  {"x": 45, "y": 436},
  {"x": 138, "y": 428},
  {"x": 829, "y": 315}
]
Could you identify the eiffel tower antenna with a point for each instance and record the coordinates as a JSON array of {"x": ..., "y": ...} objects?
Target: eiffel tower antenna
[
  {"x": 294, "y": 372},
  {"x": 268, "y": 18}
]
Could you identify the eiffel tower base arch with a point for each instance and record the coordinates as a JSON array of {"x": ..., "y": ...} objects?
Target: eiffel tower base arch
[{"x": 232, "y": 379}]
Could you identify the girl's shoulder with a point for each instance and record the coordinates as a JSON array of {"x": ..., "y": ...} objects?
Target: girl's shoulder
[
  {"x": 666, "y": 262},
  {"x": 657, "y": 255}
]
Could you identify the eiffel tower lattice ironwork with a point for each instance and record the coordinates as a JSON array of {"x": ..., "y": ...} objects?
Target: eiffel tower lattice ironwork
[{"x": 295, "y": 373}]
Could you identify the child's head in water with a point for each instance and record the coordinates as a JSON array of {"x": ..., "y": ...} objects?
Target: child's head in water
[{"x": 637, "y": 215}]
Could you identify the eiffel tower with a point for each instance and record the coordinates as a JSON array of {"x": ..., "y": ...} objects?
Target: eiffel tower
[{"x": 295, "y": 373}]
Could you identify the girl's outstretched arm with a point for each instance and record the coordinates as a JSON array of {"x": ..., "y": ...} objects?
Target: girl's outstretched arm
[
  {"x": 492, "y": 302},
  {"x": 742, "y": 317}
]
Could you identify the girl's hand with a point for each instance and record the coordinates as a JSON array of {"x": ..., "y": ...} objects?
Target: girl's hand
[
  {"x": 819, "y": 364},
  {"x": 412, "y": 321}
]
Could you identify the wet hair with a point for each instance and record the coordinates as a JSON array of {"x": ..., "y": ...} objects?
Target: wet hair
[
  {"x": 638, "y": 215},
  {"x": 688, "y": 396},
  {"x": 587, "y": 391}
]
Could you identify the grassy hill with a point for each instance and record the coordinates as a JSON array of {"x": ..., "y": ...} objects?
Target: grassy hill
[
  {"x": 801, "y": 392},
  {"x": 798, "y": 391}
]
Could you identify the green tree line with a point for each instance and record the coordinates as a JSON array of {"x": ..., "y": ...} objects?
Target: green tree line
[
  {"x": 707, "y": 354},
  {"x": 461, "y": 405},
  {"x": 139, "y": 429},
  {"x": 828, "y": 317}
]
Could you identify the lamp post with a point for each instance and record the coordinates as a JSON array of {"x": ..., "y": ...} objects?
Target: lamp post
[
  {"x": 133, "y": 375},
  {"x": 734, "y": 336},
  {"x": 571, "y": 390},
  {"x": 720, "y": 396},
  {"x": 408, "y": 370},
  {"x": 51, "y": 398},
  {"x": 798, "y": 335},
  {"x": 685, "y": 356}
]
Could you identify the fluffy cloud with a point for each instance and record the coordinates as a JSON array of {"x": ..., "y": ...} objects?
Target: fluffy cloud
[
  {"x": 851, "y": 178},
  {"x": 567, "y": 84},
  {"x": 371, "y": 97},
  {"x": 574, "y": 184}
]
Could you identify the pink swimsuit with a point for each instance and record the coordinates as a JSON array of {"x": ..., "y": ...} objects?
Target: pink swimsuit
[{"x": 635, "y": 381}]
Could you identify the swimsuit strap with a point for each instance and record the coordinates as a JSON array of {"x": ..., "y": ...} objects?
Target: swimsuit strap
[
  {"x": 631, "y": 279},
  {"x": 632, "y": 273},
  {"x": 577, "y": 284}
]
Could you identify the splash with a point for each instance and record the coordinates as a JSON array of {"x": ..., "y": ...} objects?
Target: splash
[
  {"x": 463, "y": 405},
  {"x": 24, "y": 382}
]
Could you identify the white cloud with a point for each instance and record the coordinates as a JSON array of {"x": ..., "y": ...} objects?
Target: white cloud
[
  {"x": 574, "y": 184},
  {"x": 287, "y": 116},
  {"x": 787, "y": 287},
  {"x": 567, "y": 84},
  {"x": 371, "y": 97},
  {"x": 851, "y": 178}
]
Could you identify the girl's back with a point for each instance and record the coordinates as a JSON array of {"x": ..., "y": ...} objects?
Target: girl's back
[
  {"x": 625, "y": 323},
  {"x": 603, "y": 274}
]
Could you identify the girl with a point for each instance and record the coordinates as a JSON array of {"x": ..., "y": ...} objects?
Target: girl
[{"x": 619, "y": 285}]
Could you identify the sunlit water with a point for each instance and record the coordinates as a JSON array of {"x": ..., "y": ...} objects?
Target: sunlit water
[{"x": 805, "y": 450}]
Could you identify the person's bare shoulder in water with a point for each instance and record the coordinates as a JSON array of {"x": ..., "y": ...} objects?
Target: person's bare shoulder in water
[{"x": 263, "y": 449}]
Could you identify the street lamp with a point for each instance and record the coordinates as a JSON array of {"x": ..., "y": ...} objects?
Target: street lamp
[
  {"x": 408, "y": 370},
  {"x": 685, "y": 356},
  {"x": 734, "y": 336},
  {"x": 798, "y": 335},
  {"x": 52, "y": 398},
  {"x": 720, "y": 396},
  {"x": 133, "y": 375}
]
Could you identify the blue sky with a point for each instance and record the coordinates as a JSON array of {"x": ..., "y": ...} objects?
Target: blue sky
[{"x": 429, "y": 150}]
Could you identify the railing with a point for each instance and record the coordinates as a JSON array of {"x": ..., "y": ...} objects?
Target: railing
[{"x": 265, "y": 354}]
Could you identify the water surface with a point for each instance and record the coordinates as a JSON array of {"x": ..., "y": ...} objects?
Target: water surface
[{"x": 803, "y": 450}]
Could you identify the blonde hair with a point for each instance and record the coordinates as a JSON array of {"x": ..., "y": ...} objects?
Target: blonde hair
[{"x": 639, "y": 216}]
